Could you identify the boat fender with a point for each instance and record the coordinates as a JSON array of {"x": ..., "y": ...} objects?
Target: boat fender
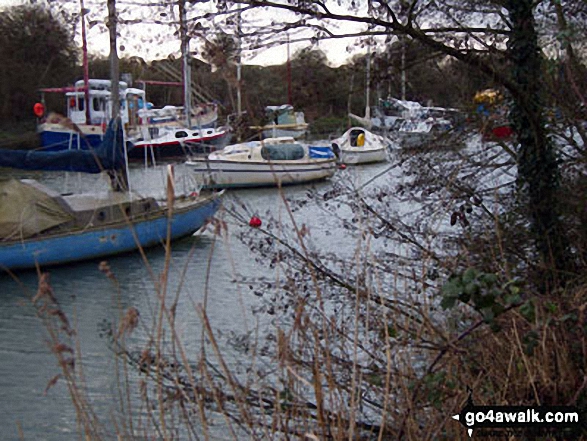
[
  {"x": 39, "y": 110},
  {"x": 361, "y": 140},
  {"x": 336, "y": 150},
  {"x": 255, "y": 222}
]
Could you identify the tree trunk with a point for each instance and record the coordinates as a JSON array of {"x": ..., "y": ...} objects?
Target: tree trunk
[{"x": 538, "y": 174}]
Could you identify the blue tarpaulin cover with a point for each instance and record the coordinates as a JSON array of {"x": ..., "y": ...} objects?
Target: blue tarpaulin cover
[{"x": 320, "y": 152}]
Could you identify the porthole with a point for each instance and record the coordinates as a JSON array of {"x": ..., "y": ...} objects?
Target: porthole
[{"x": 101, "y": 216}]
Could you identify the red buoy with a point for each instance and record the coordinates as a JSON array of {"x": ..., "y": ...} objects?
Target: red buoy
[
  {"x": 255, "y": 222},
  {"x": 342, "y": 166},
  {"x": 39, "y": 110}
]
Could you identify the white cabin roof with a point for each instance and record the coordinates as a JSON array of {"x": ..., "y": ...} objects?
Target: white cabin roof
[{"x": 95, "y": 84}]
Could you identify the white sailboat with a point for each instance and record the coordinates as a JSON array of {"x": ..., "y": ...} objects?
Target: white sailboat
[
  {"x": 271, "y": 162},
  {"x": 360, "y": 146}
]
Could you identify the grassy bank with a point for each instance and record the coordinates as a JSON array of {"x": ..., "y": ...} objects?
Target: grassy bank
[
  {"x": 21, "y": 135},
  {"x": 425, "y": 295}
]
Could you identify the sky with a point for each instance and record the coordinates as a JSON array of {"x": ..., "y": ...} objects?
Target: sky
[{"x": 152, "y": 41}]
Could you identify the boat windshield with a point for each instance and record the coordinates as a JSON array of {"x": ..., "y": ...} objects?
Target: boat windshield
[{"x": 282, "y": 152}]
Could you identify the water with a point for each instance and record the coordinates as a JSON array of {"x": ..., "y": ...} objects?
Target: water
[{"x": 26, "y": 364}]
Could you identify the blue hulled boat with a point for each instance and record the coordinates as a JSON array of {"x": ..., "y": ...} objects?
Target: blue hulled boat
[
  {"x": 89, "y": 108},
  {"x": 41, "y": 227}
]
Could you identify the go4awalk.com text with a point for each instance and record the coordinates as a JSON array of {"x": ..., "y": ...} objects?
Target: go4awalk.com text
[{"x": 519, "y": 418}]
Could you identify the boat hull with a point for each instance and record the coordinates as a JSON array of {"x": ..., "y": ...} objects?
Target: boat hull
[
  {"x": 360, "y": 146},
  {"x": 231, "y": 174},
  {"x": 54, "y": 137},
  {"x": 105, "y": 241},
  {"x": 357, "y": 156},
  {"x": 171, "y": 147}
]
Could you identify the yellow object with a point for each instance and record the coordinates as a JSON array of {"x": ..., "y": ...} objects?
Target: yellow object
[
  {"x": 361, "y": 140},
  {"x": 487, "y": 96}
]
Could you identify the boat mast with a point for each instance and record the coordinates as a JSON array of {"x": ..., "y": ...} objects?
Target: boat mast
[
  {"x": 114, "y": 62},
  {"x": 289, "y": 98},
  {"x": 187, "y": 74},
  {"x": 368, "y": 81},
  {"x": 239, "y": 108},
  {"x": 85, "y": 63},
  {"x": 403, "y": 66},
  {"x": 118, "y": 179},
  {"x": 239, "y": 103}
]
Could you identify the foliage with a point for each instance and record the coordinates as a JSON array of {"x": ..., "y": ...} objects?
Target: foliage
[
  {"x": 483, "y": 292},
  {"x": 37, "y": 50},
  {"x": 378, "y": 330},
  {"x": 321, "y": 128}
]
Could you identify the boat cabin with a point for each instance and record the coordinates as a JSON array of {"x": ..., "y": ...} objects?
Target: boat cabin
[
  {"x": 283, "y": 115},
  {"x": 100, "y": 105}
]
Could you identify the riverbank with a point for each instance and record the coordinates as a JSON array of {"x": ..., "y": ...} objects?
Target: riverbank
[{"x": 22, "y": 136}]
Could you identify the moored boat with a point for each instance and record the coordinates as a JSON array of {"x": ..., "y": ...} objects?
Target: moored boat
[
  {"x": 41, "y": 227},
  {"x": 273, "y": 161},
  {"x": 89, "y": 108},
  {"x": 283, "y": 121},
  {"x": 179, "y": 142},
  {"x": 359, "y": 146}
]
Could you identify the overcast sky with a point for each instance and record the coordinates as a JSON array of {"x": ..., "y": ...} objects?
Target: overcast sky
[{"x": 151, "y": 41}]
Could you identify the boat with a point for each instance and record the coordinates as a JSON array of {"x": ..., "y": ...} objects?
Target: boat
[
  {"x": 86, "y": 124},
  {"x": 156, "y": 133},
  {"x": 360, "y": 146},
  {"x": 270, "y": 162},
  {"x": 411, "y": 124},
  {"x": 40, "y": 227},
  {"x": 493, "y": 115},
  {"x": 178, "y": 142},
  {"x": 203, "y": 115},
  {"x": 284, "y": 122},
  {"x": 418, "y": 132}
]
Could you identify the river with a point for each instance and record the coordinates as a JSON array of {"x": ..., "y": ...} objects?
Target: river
[{"x": 91, "y": 299}]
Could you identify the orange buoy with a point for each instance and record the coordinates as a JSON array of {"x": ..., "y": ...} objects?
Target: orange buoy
[
  {"x": 39, "y": 110},
  {"x": 255, "y": 222}
]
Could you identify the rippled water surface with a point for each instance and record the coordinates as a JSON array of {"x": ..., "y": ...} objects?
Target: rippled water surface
[{"x": 90, "y": 299}]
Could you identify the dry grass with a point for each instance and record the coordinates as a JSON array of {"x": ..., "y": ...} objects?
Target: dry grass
[{"x": 359, "y": 348}]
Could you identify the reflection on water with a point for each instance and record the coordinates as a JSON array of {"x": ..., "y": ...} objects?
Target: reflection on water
[{"x": 203, "y": 271}]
